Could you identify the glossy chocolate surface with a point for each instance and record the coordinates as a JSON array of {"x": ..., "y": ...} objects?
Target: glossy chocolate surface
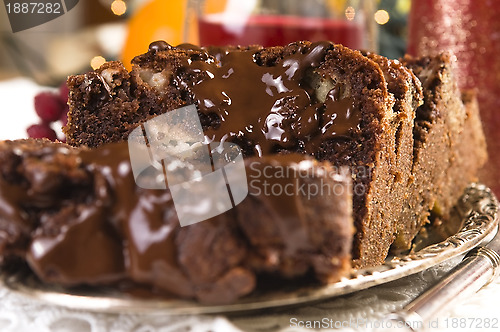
[
  {"x": 272, "y": 106},
  {"x": 111, "y": 231}
]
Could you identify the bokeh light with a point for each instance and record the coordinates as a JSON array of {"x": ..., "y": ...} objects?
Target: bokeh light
[
  {"x": 381, "y": 16},
  {"x": 350, "y": 12},
  {"x": 97, "y": 61},
  {"x": 118, "y": 7}
]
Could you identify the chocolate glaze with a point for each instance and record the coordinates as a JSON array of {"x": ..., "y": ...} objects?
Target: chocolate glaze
[
  {"x": 159, "y": 45},
  {"x": 277, "y": 109},
  {"x": 295, "y": 217},
  {"x": 140, "y": 244},
  {"x": 57, "y": 254},
  {"x": 110, "y": 231}
]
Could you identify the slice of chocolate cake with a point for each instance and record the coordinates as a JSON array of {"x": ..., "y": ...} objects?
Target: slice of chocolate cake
[
  {"x": 449, "y": 147},
  {"x": 320, "y": 99},
  {"x": 469, "y": 155},
  {"x": 77, "y": 217},
  {"x": 407, "y": 92}
]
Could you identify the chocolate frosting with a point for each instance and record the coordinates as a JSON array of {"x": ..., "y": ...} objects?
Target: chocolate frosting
[
  {"x": 107, "y": 230},
  {"x": 127, "y": 231},
  {"x": 272, "y": 106}
]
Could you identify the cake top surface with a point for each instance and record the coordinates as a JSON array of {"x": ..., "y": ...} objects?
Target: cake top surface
[{"x": 267, "y": 103}]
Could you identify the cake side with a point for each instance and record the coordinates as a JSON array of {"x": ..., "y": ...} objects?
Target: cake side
[
  {"x": 407, "y": 91},
  {"x": 439, "y": 173},
  {"x": 373, "y": 160},
  {"x": 432, "y": 142},
  {"x": 469, "y": 155}
]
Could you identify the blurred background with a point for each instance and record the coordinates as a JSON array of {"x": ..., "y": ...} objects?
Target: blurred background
[{"x": 100, "y": 30}]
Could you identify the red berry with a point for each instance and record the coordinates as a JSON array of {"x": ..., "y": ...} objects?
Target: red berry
[
  {"x": 64, "y": 92},
  {"x": 48, "y": 106},
  {"x": 41, "y": 130}
]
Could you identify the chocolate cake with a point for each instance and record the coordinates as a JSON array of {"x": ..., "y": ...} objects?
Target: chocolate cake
[
  {"x": 320, "y": 99},
  {"x": 409, "y": 140},
  {"x": 77, "y": 217}
]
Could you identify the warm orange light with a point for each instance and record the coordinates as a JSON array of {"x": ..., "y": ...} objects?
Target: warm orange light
[
  {"x": 381, "y": 17},
  {"x": 118, "y": 7},
  {"x": 97, "y": 61},
  {"x": 155, "y": 20},
  {"x": 350, "y": 13}
]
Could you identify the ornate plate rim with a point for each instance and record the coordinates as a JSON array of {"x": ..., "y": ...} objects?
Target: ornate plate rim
[{"x": 478, "y": 207}]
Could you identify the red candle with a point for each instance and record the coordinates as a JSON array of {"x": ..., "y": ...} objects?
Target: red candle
[{"x": 471, "y": 30}]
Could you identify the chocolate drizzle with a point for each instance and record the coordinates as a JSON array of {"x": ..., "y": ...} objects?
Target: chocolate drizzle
[
  {"x": 107, "y": 230},
  {"x": 159, "y": 45},
  {"x": 272, "y": 106},
  {"x": 119, "y": 211}
]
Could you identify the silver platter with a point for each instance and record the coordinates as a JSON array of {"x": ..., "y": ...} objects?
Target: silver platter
[{"x": 476, "y": 211}]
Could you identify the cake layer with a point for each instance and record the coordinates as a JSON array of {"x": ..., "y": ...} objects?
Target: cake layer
[{"x": 77, "y": 217}]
